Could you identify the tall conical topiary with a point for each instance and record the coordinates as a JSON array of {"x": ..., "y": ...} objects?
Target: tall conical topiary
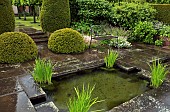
[
  {"x": 55, "y": 14},
  {"x": 7, "y": 20}
]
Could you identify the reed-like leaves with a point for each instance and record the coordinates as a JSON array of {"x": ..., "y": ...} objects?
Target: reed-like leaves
[
  {"x": 158, "y": 73},
  {"x": 43, "y": 71},
  {"x": 83, "y": 101},
  {"x": 110, "y": 58}
]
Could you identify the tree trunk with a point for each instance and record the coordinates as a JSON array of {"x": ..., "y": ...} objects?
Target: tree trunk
[
  {"x": 34, "y": 13},
  {"x": 24, "y": 12},
  {"x": 19, "y": 12}
]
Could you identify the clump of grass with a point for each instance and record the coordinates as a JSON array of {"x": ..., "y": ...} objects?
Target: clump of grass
[
  {"x": 83, "y": 102},
  {"x": 110, "y": 58},
  {"x": 158, "y": 73},
  {"x": 43, "y": 71}
]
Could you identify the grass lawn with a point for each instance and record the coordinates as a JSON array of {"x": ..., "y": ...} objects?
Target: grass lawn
[{"x": 28, "y": 22}]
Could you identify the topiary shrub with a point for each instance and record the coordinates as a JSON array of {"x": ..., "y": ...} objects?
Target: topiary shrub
[
  {"x": 55, "y": 14},
  {"x": 16, "y": 47},
  {"x": 7, "y": 20},
  {"x": 66, "y": 40}
]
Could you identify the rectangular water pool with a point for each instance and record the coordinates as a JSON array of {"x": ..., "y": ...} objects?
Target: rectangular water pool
[{"x": 114, "y": 87}]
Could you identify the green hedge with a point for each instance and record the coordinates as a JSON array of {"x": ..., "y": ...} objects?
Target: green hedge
[
  {"x": 66, "y": 40},
  {"x": 7, "y": 20},
  {"x": 128, "y": 14},
  {"x": 16, "y": 47},
  {"x": 163, "y": 12},
  {"x": 55, "y": 14}
]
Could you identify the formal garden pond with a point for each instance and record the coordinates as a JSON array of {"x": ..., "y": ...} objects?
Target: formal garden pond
[{"x": 114, "y": 87}]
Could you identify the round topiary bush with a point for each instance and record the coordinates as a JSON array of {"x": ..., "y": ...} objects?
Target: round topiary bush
[
  {"x": 66, "y": 40},
  {"x": 16, "y": 47},
  {"x": 55, "y": 15},
  {"x": 7, "y": 20}
]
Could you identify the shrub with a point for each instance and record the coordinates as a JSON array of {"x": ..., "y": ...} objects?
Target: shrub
[
  {"x": 165, "y": 31},
  {"x": 7, "y": 20},
  {"x": 127, "y": 14},
  {"x": 159, "y": 42},
  {"x": 162, "y": 12},
  {"x": 158, "y": 73},
  {"x": 92, "y": 11},
  {"x": 120, "y": 43},
  {"x": 143, "y": 32},
  {"x": 43, "y": 71},
  {"x": 55, "y": 14},
  {"x": 66, "y": 40},
  {"x": 16, "y": 47}
]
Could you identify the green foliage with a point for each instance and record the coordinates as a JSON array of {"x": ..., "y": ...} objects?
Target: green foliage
[
  {"x": 82, "y": 27},
  {"x": 91, "y": 11},
  {"x": 16, "y": 47},
  {"x": 66, "y": 40},
  {"x": 162, "y": 12},
  {"x": 43, "y": 71},
  {"x": 128, "y": 14},
  {"x": 165, "y": 31},
  {"x": 110, "y": 58},
  {"x": 158, "y": 73},
  {"x": 55, "y": 14},
  {"x": 84, "y": 101},
  {"x": 120, "y": 43},
  {"x": 159, "y": 42},
  {"x": 7, "y": 20},
  {"x": 143, "y": 32}
]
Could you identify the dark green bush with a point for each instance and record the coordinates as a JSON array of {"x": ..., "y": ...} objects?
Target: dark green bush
[
  {"x": 128, "y": 14},
  {"x": 16, "y": 47},
  {"x": 143, "y": 32},
  {"x": 91, "y": 11},
  {"x": 7, "y": 20},
  {"x": 159, "y": 1},
  {"x": 66, "y": 40},
  {"x": 163, "y": 12},
  {"x": 55, "y": 14}
]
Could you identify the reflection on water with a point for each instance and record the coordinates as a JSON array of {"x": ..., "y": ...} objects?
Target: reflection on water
[{"x": 114, "y": 87}]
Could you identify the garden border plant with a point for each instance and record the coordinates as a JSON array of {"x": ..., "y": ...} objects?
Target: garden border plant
[
  {"x": 43, "y": 71},
  {"x": 158, "y": 73}
]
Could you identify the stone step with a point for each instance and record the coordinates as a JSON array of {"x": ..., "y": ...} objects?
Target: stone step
[
  {"x": 38, "y": 36},
  {"x": 46, "y": 107},
  {"x": 38, "y": 32},
  {"x": 40, "y": 40},
  {"x": 34, "y": 92}
]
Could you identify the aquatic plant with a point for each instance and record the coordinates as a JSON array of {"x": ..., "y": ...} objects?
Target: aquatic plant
[
  {"x": 43, "y": 71},
  {"x": 110, "y": 58},
  {"x": 158, "y": 73},
  {"x": 83, "y": 102}
]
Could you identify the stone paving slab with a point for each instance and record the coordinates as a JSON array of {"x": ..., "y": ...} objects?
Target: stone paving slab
[
  {"x": 9, "y": 85},
  {"x": 34, "y": 92},
  {"x": 47, "y": 107},
  {"x": 10, "y": 70},
  {"x": 17, "y": 102}
]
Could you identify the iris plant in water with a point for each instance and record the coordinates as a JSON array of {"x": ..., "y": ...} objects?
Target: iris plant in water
[
  {"x": 110, "y": 58},
  {"x": 83, "y": 100},
  {"x": 43, "y": 71},
  {"x": 158, "y": 73}
]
